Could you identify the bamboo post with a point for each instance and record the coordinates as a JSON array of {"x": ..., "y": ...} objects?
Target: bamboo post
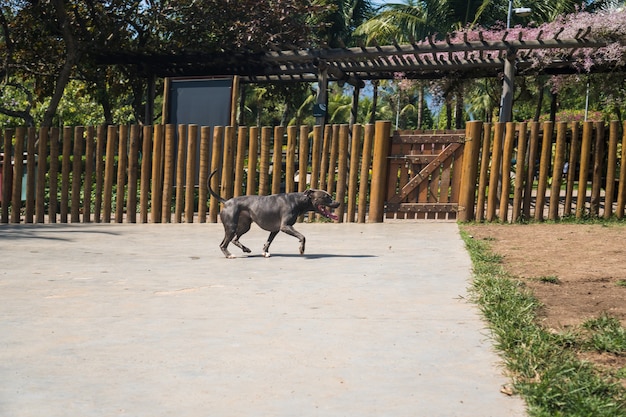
[
  {"x": 557, "y": 171},
  {"x": 53, "y": 205},
  {"x": 228, "y": 162},
  {"x": 544, "y": 169},
  {"x": 467, "y": 196},
  {"x": 168, "y": 173},
  {"x": 264, "y": 164},
  {"x": 109, "y": 173},
  {"x": 332, "y": 160},
  {"x": 18, "y": 172},
  {"x": 29, "y": 211},
  {"x": 585, "y": 153},
  {"x": 364, "y": 177},
  {"x": 146, "y": 173},
  {"x": 6, "y": 174},
  {"x": 494, "y": 175},
  {"x": 66, "y": 164},
  {"x": 205, "y": 143},
  {"x": 101, "y": 138},
  {"x": 533, "y": 147},
  {"x": 507, "y": 155},
  {"x": 520, "y": 173},
  {"x": 190, "y": 175},
  {"x": 574, "y": 155},
  {"x": 277, "y": 159},
  {"x": 483, "y": 177},
  {"x": 253, "y": 157},
  {"x": 242, "y": 140},
  {"x": 77, "y": 165},
  {"x": 342, "y": 168},
  {"x": 292, "y": 133},
  {"x": 303, "y": 162},
  {"x": 621, "y": 192},
  {"x": 353, "y": 181},
  {"x": 326, "y": 144},
  {"x": 122, "y": 164},
  {"x": 379, "y": 171},
  {"x": 315, "y": 156},
  {"x": 216, "y": 157},
  {"x": 42, "y": 165},
  {"x": 133, "y": 161},
  {"x": 181, "y": 157},
  {"x": 598, "y": 158},
  {"x": 609, "y": 197},
  {"x": 157, "y": 172},
  {"x": 89, "y": 171}
]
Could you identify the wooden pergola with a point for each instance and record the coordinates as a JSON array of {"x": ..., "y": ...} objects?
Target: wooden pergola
[{"x": 429, "y": 59}]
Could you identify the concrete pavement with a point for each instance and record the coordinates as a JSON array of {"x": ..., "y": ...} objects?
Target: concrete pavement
[{"x": 152, "y": 320}]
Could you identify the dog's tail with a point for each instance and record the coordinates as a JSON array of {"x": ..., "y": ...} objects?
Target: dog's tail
[{"x": 213, "y": 193}]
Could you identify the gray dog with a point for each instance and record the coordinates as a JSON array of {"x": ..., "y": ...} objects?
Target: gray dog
[{"x": 274, "y": 213}]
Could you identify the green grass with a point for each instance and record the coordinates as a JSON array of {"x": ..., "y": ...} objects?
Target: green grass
[{"x": 543, "y": 366}]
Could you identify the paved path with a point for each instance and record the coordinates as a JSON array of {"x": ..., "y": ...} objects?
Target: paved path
[{"x": 152, "y": 320}]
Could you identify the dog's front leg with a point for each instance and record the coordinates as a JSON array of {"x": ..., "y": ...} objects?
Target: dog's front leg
[
  {"x": 293, "y": 232},
  {"x": 266, "y": 247}
]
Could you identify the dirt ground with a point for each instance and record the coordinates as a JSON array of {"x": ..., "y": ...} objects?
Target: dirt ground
[{"x": 578, "y": 271}]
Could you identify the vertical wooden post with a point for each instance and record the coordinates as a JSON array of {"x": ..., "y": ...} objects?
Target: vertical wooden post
[
  {"x": 598, "y": 158},
  {"x": 190, "y": 175},
  {"x": 467, "y": 196},
  {"x": 264, "y": 164},
  {"x": 557, "y": 171},
  {"x": 342, "y": 168},
  {"x": 574, "y": 154},
  {"x": 353, "y": 181},
  {"x": 544, "y": 169},
  {"x": 326, "y": 144},
  {"x": 6, "y": 174},
  {"x": 609, "y": 196},
  {"x": 101, "y": 138},
  {"x": 53, "y": 205},
  {"x": 76, "y": 173},
  {"x": 533, "y": 146},
  {"x": 30, "y": 175},
  {"x": 520, "y": 173},
  {"x": 277, "y": 159},
  {"x": 181, "y": 157},
  {"x": 109, "y": 173},
  {"x": 42, "y": 165},
  {"x": 89, "y": 170},
  {"x": 121, "y": 173},
  {"x": 205, "y": 141},
  {"x": 303, "y": 161},
  {"x": 253, "y": 157},
  {"x": 18, "y": 172},
  {"x": 133, "y": 161},
  {"x": 364, "y": 178},
  {"x": 585, "y": 153},
  {"x": 315, "y": 156},
  {"x": 65, "y": 172},
  {"x": 242, "y": 142},
  {"x": 621, "y": 192},
  {"x": 332, "y": 160},
  {"x": 146, "y": 173},
  {"x": 483, "y": 177},
  {"x": 379, "y": 171},
  {"x": 494, "y": 175},
  {"x": 292, "y": 133},
  {"x": 228, "y": 162},
  {"x": 168, "y": 173},
  {"x": 216, "y": 158},
  {"x": 507, "y": 154}
]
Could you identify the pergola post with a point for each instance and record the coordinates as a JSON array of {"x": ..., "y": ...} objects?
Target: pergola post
[
  {"x": 322, "y": 94},
  {"x": 508, "y": 86}
]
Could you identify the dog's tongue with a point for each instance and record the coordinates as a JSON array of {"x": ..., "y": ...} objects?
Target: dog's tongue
[{"x": 327, "y": 213}]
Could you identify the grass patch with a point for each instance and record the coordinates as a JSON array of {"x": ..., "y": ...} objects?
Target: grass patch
[
  {"x": 543, "y": 366},
  {"x": 621, "y": 283},
  {"x": 550, "y": 279}
]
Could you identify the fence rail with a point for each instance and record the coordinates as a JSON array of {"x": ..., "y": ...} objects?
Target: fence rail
[{"x": 510, "y": 172}]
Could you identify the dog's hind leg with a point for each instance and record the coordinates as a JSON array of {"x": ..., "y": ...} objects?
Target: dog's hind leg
[
  {"x": 242, "y": 227},
  {"x": 228, "y": 237},
  {"x": 266, "y": 247}
]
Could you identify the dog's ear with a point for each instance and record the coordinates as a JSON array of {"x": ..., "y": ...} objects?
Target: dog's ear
[{"x": 308, "y": 192}]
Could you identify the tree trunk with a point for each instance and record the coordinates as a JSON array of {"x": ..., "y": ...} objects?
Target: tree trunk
[
  {"x": 374, "y": 102},
  {"x": 553, "y": 106},
  {"x": 420, "y": 106},
  {"x": 539, "y": 103},
  {"x": 458, "y": 110}
]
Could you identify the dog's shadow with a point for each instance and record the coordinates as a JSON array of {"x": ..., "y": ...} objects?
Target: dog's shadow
[{"x": 312, "y": 256}]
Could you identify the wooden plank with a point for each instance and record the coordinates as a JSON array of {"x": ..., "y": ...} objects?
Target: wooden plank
[
  {"x": 520, "y": 173},
  {"x": 533, "y": 148},
  {"x": 494, "y": 174},
  {"x": 253, "y": 157},
  {"x": 240, "y": 159},
  {"x": 133, "y": 163},
  {"x": 432, "y": 138},
  {"x": 66, "y": 164},
  {"x": 277, "y": 159},
  {"x": 290, "y": 159},
  {"x": 190, "y": 174},
  {"x": 342, "y": 169},
  {"x": 609, "y": 195},
  {"x": 364, "y": 174},
  {"x": 181, "y": 158},
  {"x": 146, "y": 173},
  {"x": 30, "y": 175},
  {"x": 18, "y": 173},
  {"x": 598, "y": 158},
  {"x": 423, "y": 174},
  {"x": 428, "y": 208},
  {"x": 99, "y": 167},
  {"x": 168, "y": 173},
  {"x": 353, "y": 180},
  {"x": 109, "y": 173},
  {"x": 557, "y": 172},
  {"x": 413, "y": 159},
  {"x": 544, "y": 165},
  {"x": 507, "y": 154},
  {"x": 42, "y": 168},
  {"x": 574, "y": 154},
  {"x": 483, "y": 177},
  {"x": 54, "y": 175},
  {"x": 205, "y": 140},
  {"x": 77, "y": 167},
  {"x": 621, "y": 191},
  {"x": 6, "y": 174},
  {"x": 264, "y": 165}
]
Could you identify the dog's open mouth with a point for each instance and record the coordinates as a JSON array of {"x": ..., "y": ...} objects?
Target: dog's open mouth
[{"x": 326, "y": 213}]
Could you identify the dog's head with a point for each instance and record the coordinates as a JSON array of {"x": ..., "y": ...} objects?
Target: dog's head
[{"x": 320, "y": 200}]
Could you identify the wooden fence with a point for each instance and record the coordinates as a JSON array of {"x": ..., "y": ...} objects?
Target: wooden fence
[{"x": 159, "y": 173}]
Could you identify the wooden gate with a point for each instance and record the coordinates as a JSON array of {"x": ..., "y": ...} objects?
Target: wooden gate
[{"x": 424, "y": 174}]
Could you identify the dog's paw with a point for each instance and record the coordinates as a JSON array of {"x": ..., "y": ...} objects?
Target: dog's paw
[
  {"x": 266, "y": 254},
  {"x": 231, "y": 256},
  {"x": 246, "y": 250}
]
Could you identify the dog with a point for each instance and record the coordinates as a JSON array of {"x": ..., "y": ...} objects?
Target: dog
[{"x": 274, "y": 213}]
